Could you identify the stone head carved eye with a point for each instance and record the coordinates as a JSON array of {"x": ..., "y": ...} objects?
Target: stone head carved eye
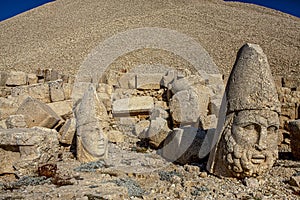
[
  {"x": 272, "y": 129},
  {"x": 251, "y": 127}
]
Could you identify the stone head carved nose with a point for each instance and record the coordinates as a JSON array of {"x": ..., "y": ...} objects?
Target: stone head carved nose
[{"x": 262, "y": 139}]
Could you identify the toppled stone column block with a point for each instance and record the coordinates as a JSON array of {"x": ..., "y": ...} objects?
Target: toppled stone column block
[
  {"x": 183, "y": 145},
  {"x": 133, "y": 106},
  {"x": 62, "y": 108},
  {"x": 157, "y": 132},
  {"x": 184, "y": 107},
  {"x": 24, "y": 149},
  {"x": 37, "y": 113},
  {"x": 294, "y": 127},
  {"x": 56, "y": 91},
  {"x": 90, "y": 137},
  {"x": 67, "y": 131},
  {"x": 16, "y": 78},
  {"x": 15, "y": 121},
  {"x": 148, "y": 81}
]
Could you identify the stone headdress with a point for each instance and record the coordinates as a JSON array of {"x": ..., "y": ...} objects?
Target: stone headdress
[{"x": 251, "y": 85}]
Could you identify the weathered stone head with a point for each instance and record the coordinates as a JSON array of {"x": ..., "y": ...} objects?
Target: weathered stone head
[{"x": 247, "y": 144}]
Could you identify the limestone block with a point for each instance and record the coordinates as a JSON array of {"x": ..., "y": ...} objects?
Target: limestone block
[
  {"x": 106, "y": 100},
  {"x": 157, "y": 132},
  {"x": 16, "y": 78},
  {"x": 148, "y": 81},
  {"x": 112, "y": 78},
  {"x": 37, "y": 113},
  {"x": 179, "y": 84},
  {"x": 105, "y": 88},
  {"x": 214, "y": 106},
  {"x": 3, "y": 78},
  {"x": 184, "y": 107},
  {"x": 67, "y": 131},
  {"x": 26, "y": 148},
  {"x": 90, "y": 137},
  {"x": 68, "y": 88},
  {"x": 115, "y": 136},
  {"x": 127, "y": 81},
  {"x": 39, "y": 91},
  {"x": 159, "y": 112},
  {"x": 161, "y": 104},
  {"x": 133, "y": 106},
  {"x": 8, "y": 106},
  {"x": 32, "y": 79},
  {"x": 183, "y": 145},
  {"x": 294, "y": 127},
  {"x": 5, "y": 91},
  {"x": 15, "y": 121},
  {"x": 204, "y": 95},
  {"x": 56, "y": 91},
  {"x": 208, "y": 122},
  {"x": 141, "y": 128},
  {"x": 62, "y": 108}
]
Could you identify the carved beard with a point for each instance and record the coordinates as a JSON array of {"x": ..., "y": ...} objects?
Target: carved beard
[{"x": 238, "y": 159}]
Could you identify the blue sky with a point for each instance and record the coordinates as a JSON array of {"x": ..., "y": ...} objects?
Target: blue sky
[{"x": 9, "y": 8}]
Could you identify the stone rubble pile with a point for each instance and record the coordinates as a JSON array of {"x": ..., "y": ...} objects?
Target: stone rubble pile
[{"x": 171, "y": 112}]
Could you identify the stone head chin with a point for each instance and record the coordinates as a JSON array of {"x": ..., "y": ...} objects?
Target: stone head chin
[{"x": 250, "y": 142}]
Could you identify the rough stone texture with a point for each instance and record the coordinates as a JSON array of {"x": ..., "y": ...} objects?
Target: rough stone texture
[
  {"x": 183, "y": 145},
  {"x": 32, "y": 79},
  {"x": 115, "y": 136},
  {"x": 38, "y": 91},
  {"x": 106, "y": 100},
  {"x": 141, "y": 128},
  {"x": 294, "y": 127},
  {"x": 247, "y": 144},
  {"x": 90, "y": 137},
  {"x": 127, "y": 81},
  {"x": 62, "y": 108},
  {"x": 16, "y": 78},
  {"x": 37, "y": 113},
  {"x": 29, "y": 147},
  {"x": 56, "y": 91},
  {"x": 8, "y": 106},
  {"x": 3, "y": 78},
  {"x": 159, "y": 112},
  {"x": 133, "y": 106},
  {"x": 67, "y": 131},
  {"x": 148, "y": 81},
  {"x": 184, "y": 107},
  {"x": 15, "y": 121},
  {"x": 68, "y": 88},
  {"x": 105, "y": 88},
  {"x": 157, "y": 132}
]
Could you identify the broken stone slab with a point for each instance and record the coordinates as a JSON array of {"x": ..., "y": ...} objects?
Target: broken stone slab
[
  {"x": 148, "y": 81},
  {"x": 157, "y": 132},
  {"x": 32, "y": 79},
  {"x": 133, "y": 106},
  {"x": 294, "y": 127},
  {"x": 208, "y": 122},
  {"x": 16, "y": 78},
  {"x": 38, "y": 91},
  {"x": 62, "y": 108},
  {"x": 90, "y": 138},
  {"x": 183, "y": 145},
  {"x": 15, "y": 121},
  {"x": 127, "y": 81},
  {"x": 37, "y": 113},
  {"x": 56, "y": 90},
  {"x": 106, "y": 100},
  {"x": 29, "y": 147},
  {"x": 158, "y": 112},
  {"x": 67, "y": 131},
  {"x": 141, "y": 128},
  {"x": 105, "y": 88},
  {"x": 184, "y": 107}
]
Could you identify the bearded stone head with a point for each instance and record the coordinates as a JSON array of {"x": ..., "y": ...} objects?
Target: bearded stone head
[{"x": 247, "y": 144}]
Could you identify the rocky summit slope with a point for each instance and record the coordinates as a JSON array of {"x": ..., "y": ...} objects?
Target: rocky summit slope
[{"x": 60, "y": 34}]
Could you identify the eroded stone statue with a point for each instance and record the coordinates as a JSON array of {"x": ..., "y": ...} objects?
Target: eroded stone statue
[
  {"x": 247, "y": 144},
  {"x": 91, "y": 140}
]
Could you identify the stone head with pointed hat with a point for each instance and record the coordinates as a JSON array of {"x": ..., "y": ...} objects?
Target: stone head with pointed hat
[{"x": 247, "y": 144}]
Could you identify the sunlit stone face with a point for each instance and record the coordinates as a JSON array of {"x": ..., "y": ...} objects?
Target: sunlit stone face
[{"x": 251, "y": 143}]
